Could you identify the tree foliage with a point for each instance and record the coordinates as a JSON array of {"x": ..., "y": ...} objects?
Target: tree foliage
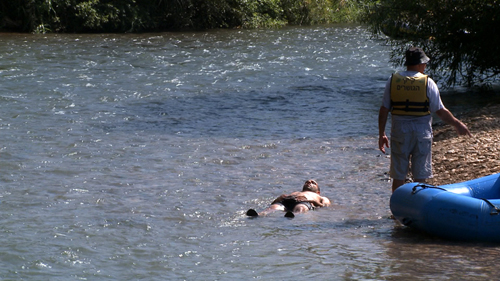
[
  {"x": 157, "y": 15},
  {"x": 460, "y": 36}
]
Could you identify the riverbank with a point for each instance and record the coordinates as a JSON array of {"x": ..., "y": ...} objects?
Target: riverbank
[
  {"x": 162, "y": 16},
  {"x": 459, "y": 158}
]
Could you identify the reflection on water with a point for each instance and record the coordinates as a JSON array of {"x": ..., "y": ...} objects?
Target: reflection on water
[{"x": 136, "y": 156}]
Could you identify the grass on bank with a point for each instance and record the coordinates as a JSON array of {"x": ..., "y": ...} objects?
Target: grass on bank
[{"x": 82, "y": 16}]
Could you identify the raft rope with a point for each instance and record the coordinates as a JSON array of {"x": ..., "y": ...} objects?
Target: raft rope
[
  {"x": 497, "y": 210},
  {"x": 424, "y": 186}
]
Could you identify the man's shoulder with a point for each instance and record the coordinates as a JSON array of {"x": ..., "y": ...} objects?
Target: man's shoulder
[
  {"x": 431, "y": 82},
  {"x": 410, "y": 73},
  {"x": 308, "y": 194}
]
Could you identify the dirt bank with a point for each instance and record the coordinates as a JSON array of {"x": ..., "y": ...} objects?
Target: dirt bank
[{"x": 463, "y": 158}]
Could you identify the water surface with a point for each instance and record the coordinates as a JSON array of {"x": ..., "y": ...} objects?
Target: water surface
[{"x": 128, "y": 157}]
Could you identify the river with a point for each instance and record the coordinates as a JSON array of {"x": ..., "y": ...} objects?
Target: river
[{"x": 136, "y": 156}]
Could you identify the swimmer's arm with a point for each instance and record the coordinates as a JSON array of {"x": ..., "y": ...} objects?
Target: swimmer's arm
[
  {"x": 326, "y": 202},
  {"x": 320, "y": 202}
]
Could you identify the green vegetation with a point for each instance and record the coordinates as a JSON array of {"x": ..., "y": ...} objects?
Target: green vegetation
[
  {"x": 460, "y": 36},
  {"x": 40, "y": 16}
]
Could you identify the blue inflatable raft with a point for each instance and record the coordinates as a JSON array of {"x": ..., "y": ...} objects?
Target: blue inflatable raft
[{"x": 467, "y": 211}]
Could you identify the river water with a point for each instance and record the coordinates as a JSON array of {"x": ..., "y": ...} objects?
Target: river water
[{"x": 135, "y": 157}]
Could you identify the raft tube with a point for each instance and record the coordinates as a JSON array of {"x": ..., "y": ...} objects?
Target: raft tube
[{"x": 468, "y": 211}]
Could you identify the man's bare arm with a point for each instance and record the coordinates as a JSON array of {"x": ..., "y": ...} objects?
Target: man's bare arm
[
  {"x": 383, "y": 140},
  {"x": 449, "y": 119}
]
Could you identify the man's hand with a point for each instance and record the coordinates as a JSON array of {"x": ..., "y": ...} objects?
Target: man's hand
[
  {"x": 383, "y": 141},
  {"x": 462, "y": 129}
]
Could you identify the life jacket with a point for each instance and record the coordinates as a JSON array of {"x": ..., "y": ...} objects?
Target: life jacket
[{"x": 409, "y": 95}]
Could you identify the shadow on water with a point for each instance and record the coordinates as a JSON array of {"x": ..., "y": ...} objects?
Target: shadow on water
[
  {"x": 410, "y": 236},
  {"x": 300, "y": 112}
]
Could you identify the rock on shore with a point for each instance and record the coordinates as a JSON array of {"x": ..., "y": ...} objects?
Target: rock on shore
[{"x": 461, "y": 158}]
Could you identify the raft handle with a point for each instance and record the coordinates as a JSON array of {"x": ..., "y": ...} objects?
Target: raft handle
[
  {"x": 497, "y": 210},
  {"x": 424, "y": 186}
]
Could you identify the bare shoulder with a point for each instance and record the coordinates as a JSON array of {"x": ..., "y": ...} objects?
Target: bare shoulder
[{"x": 312, "y": 195}]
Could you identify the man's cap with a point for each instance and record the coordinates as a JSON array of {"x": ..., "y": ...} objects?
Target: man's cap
[{"x": 415, "y": 56}]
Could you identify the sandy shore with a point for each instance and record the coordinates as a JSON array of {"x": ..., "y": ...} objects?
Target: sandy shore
[{"x": 459, "y": 158}]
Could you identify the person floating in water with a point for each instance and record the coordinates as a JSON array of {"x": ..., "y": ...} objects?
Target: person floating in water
[{"x": 296, "y": 202}]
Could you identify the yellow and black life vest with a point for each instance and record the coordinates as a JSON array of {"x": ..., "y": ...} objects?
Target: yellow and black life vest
[{"x": 409, "y": 95}]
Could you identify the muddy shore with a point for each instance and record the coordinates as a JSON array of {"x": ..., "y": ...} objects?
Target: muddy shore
[{"x": 460, "y": 158}]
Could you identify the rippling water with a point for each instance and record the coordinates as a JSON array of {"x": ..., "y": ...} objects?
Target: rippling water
[{"x": 128, "y": 157}]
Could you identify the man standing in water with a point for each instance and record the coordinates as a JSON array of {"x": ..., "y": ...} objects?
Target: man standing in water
[
  {"x": 296, "y": 202},
  {"x": 411, "y": 97}
]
